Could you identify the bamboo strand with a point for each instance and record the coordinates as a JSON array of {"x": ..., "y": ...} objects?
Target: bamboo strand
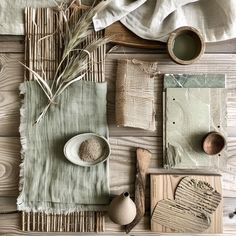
[
  {"x": 97, "y": 222},
  {"x": 99, "y": 218},
  {"x": 28, "y": 221},
  {"x": 42, "y": 221},
  {"x": 51, "y": 43},
  {"x": 101, "y": 221},
  {"x": 48, "y": 222},
  {"x": 36, "y": 40},
  {"x": 72, "y": 222},
  {"x": 89, "y": 221},
  {"x": 68, "y": 223},
  {"x": 26, "y": 41},
  {"x": 38, "y": 220},
  {"x": 23, "y": 221},
  {"x": 95, "y": 60},
  {"x": 30, "y": 41},
  {"x": 99, "y": 60},
  {"x": 76, "y": 222},
  {"x": 80, "y": 223},
  {"x": 42, "y": 41},
  {"x": 64, "y": 222},
  {"x": 94, "y": 221},
  {"x": 33, "y": 39},
  {"x": 46, "y": 48},
  {"x": 53, "y": 222},
  {"x": 61, "y": 223},
  {"x": 86, "y": 221},
  {"x": 33, "y": 228},
  {"x": 57, "y": 223},
  {"x": 83, "y": 221}
]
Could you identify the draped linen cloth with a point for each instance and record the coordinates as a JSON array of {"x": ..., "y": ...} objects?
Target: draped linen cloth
[
  {"x": 48, "y": 181},
  {"x": 12, "y": 13},
  {"x": 156, "y": 19}
]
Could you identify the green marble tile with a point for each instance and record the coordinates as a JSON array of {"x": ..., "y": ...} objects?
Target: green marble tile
[{"x": 194, "y": 81}]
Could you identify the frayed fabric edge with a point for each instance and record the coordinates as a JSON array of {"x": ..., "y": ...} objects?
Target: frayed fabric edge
[
  {"x": 46, "y": 207},
  {"x": 23, "y": 141}
]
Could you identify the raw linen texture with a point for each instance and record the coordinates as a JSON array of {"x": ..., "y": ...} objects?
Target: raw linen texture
[
  {"x": 135, "y": 94},
  {"x": 49, "y": 182}
]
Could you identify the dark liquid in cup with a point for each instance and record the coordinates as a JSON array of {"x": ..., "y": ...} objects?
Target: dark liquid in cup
[{"x": 186, "y": 46}]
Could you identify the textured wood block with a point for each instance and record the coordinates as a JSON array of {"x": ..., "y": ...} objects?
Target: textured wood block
[{"x": 163, "y": 186}]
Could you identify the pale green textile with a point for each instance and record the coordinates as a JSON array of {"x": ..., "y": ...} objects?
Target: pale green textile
[{"x": 50, "y": 182}]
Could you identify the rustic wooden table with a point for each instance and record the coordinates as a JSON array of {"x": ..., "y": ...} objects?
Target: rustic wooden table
[{"x": 219, "y": 58}]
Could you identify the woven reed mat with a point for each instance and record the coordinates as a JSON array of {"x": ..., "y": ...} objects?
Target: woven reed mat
[
  {"x": 135, "y": 94},
  {"x": 43, "y": 56}
]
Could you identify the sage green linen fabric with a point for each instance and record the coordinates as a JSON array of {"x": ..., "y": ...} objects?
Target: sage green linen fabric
[{"x": 49, "y": 182}]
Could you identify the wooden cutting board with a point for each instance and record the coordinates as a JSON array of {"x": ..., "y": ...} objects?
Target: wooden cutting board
[
  {"x": 163, "y": 186},
  {"x": 121, "y": 35}
]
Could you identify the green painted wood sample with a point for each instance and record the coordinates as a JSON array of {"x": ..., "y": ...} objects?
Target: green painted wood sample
[{"x": 217, "y": 111}]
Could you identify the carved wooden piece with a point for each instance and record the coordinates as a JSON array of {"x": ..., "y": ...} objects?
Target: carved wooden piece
[
  {"x": 194, "y": 203},
  {"x": 180, "y": 218},
  {"x": 197, "y": 194},
  {"x": 163, "y": 186},
  {"x": 143, "y": 160}
]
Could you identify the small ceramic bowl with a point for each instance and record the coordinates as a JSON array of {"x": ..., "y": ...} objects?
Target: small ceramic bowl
[
  {"x": 71, "y": 149},
  {"x": 213, "y": 143},
  {"x": 185, "y": 45}
]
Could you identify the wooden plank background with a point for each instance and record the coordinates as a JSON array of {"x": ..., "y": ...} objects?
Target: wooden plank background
[{"x": 219, "y": 58}]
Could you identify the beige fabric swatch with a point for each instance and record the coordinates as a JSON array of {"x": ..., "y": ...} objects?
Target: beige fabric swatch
[
  {"x": 12, "y": 13},
  {"x": 135, "y": 94}
]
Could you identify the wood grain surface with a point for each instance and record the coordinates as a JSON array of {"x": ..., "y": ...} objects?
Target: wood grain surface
[
  {"x": 121, "y": 35},
  {"x": 124, "y": 141},
  {"x": 11, "y": 71}
]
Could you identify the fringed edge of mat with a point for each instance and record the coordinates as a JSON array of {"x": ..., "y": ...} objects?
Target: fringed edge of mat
[
  {"x": 23, "y": 142},
  {"x": 84, "y": 221}
]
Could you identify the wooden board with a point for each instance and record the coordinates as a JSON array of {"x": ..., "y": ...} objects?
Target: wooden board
[
  {"x": 163, "y": 187},
  {"x": 121, "y": 35},
  {"x": 123, "y": 140}
]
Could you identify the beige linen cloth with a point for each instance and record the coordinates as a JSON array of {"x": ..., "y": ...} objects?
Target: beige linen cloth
[
  {"x": 135, "y": 94},
  {"x": 12, "y": 13},
  {"x": 149, "y": 19},
  {"x": 155, "y": 19}
]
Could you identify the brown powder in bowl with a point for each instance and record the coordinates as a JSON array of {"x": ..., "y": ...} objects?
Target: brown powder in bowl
[{"x": 92, "y": 149}]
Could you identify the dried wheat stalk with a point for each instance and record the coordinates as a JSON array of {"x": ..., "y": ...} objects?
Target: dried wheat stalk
[{"x": 72, "y": 66}]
